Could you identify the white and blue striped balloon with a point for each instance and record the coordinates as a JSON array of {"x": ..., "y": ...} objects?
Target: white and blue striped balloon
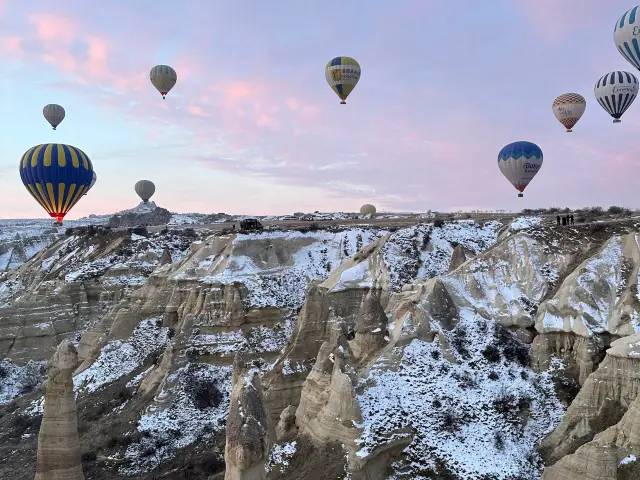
[
  {"x": 615, "y": 92},
  {"x": 626, "y": 34},
  {"x": 54, "y": 114}
]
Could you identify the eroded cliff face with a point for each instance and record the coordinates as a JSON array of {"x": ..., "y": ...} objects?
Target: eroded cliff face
[
  {"x": 455, "y": 365},
  {"x": 58, "y": 445},
  {"x": 247, "y": 443},
  {"x": 385, "y": 348},
  {"x": 599, "y": 437},
  {"x": 596, "y": 303}
]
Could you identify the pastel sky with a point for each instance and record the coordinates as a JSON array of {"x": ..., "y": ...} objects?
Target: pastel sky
[{"x": 252, "y": 126}]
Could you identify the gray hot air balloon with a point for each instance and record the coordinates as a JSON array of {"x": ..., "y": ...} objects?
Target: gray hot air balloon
[
  {"x": 367, "y": 209},
  {"x": 54, "y": 114},
  {"x": 145, "y": 189}
]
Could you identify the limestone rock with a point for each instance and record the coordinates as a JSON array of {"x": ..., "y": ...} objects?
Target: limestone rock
[
  {"x": 286, "y": 428},
  {"x": 459, "y": 256},
  {"x": 166, "y": 257},
  {"x": 370, "y": 329},
  {"x": 247, "y": 446},
  {"x": 58, "y": 445},
  {"x": 603, "y": 400}
]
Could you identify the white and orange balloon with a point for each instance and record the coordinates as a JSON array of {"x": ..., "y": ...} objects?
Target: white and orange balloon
[{"x": 568, "y": 108}]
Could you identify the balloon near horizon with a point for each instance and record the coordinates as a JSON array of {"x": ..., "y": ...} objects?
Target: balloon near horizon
[
  {"x": 145, "y": 189},
  {"x": 57, "y": 176},
  {"x": 367, "y": 209}
]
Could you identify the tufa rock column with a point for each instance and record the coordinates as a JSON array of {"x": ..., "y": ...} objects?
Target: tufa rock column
[
  {"x": 247, "y": 446},
  {"x": 58, "y": 444}
]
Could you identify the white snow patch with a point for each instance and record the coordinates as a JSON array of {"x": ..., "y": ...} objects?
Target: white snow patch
[{"x": 118, "y": 358}]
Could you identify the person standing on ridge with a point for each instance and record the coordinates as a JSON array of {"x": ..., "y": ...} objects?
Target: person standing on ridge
[
  {"x": 571, "y": 218},
  {"x": 558, "y": 219}
]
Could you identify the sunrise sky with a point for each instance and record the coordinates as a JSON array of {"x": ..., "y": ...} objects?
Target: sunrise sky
[{"x": 252, "y": 126}]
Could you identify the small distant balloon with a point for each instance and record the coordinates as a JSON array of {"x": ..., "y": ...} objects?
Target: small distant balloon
[
  {"x": 145, "y": 189},
  {"x": 367, "y": 209},
  {"x": 54, "y": 114},
  {"x": 163, "y": 77},
  {"x": 625, "y": 36},
  {"x": 519, "y": 162},
  {"x": 342, "y": 74},
  {"x": 56, "y": 176},
  {"x": 568, "y": 108},
  {"x": 615, "y": 92}
]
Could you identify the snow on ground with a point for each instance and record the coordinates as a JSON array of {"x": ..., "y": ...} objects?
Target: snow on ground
[
  {"x": 424, "y": 251},
  {"x": 600, "y": 281},
  {"x": 16, "y": 380},
  {"x": 358, "y": 276},
  {"x": 258, "y": 339},
  {"x": 521, "y": 223},
  {"x": 197, "y": 410},
  {"x": 482, "y": 416},
  {"x": 118, "y": 358},
  {"x": 628, "y": 459},
  {"x": 502, "y": 289},
  {"x": 285, "y": 286},
  {"x": 279, "y": 457}
]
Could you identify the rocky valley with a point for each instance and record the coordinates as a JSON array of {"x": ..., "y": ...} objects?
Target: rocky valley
[{"x": 497, "y": 349}]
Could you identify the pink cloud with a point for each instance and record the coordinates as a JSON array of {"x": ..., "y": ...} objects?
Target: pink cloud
[
  {"x": 196, "y": 110},
  {"x": 12, "y": 46},
  {"x": 98, "y": 54},
  {"x": 50, "y": 27},
  {"x": 556, "y": 19}
]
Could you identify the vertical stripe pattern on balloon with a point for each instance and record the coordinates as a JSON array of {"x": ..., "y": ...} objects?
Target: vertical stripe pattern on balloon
[
  {"x": 616, "y": 91},
  {"x": 626, "y": 34}
]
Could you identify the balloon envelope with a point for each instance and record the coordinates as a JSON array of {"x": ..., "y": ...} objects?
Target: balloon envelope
[
  {"x": 93, "y": 182},
  {"x": 145, "y": 189},
  {"x": 342, "y": 74},
  {"x": 519, "y": 162},
  {"x": 615, "y": 92},
  {"x": 54, "y": 114},
  {"x": 568, "y": 108},
  {"x": 163, "y": 77},
  {"x": 626, "y": 34},
  {"x": 57, "y": 176},
  {"x": 367, "y": 209}
]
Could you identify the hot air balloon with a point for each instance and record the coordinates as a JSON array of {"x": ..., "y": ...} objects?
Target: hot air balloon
[
  {"x": 57, "y": 176},
  {"x": 343, "y": 74},
  {"x": 615, "y": 92},
  {"x": 145, "y": 189},
  {"x": 367, "y": 209},
  {"x": 93, "y": 182},
  {"x": 625, "y": 36},
  {"x": 568, "y": 108},
  {"x": 163, "y": 77},
  {"x": 519, "y": 162},
  {"x": 54, "y": 114}
]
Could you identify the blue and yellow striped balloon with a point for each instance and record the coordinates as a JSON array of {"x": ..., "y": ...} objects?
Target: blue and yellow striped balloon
[
  {"x": 342, "y": 74},
  {"x": 57, "y": 176}
]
